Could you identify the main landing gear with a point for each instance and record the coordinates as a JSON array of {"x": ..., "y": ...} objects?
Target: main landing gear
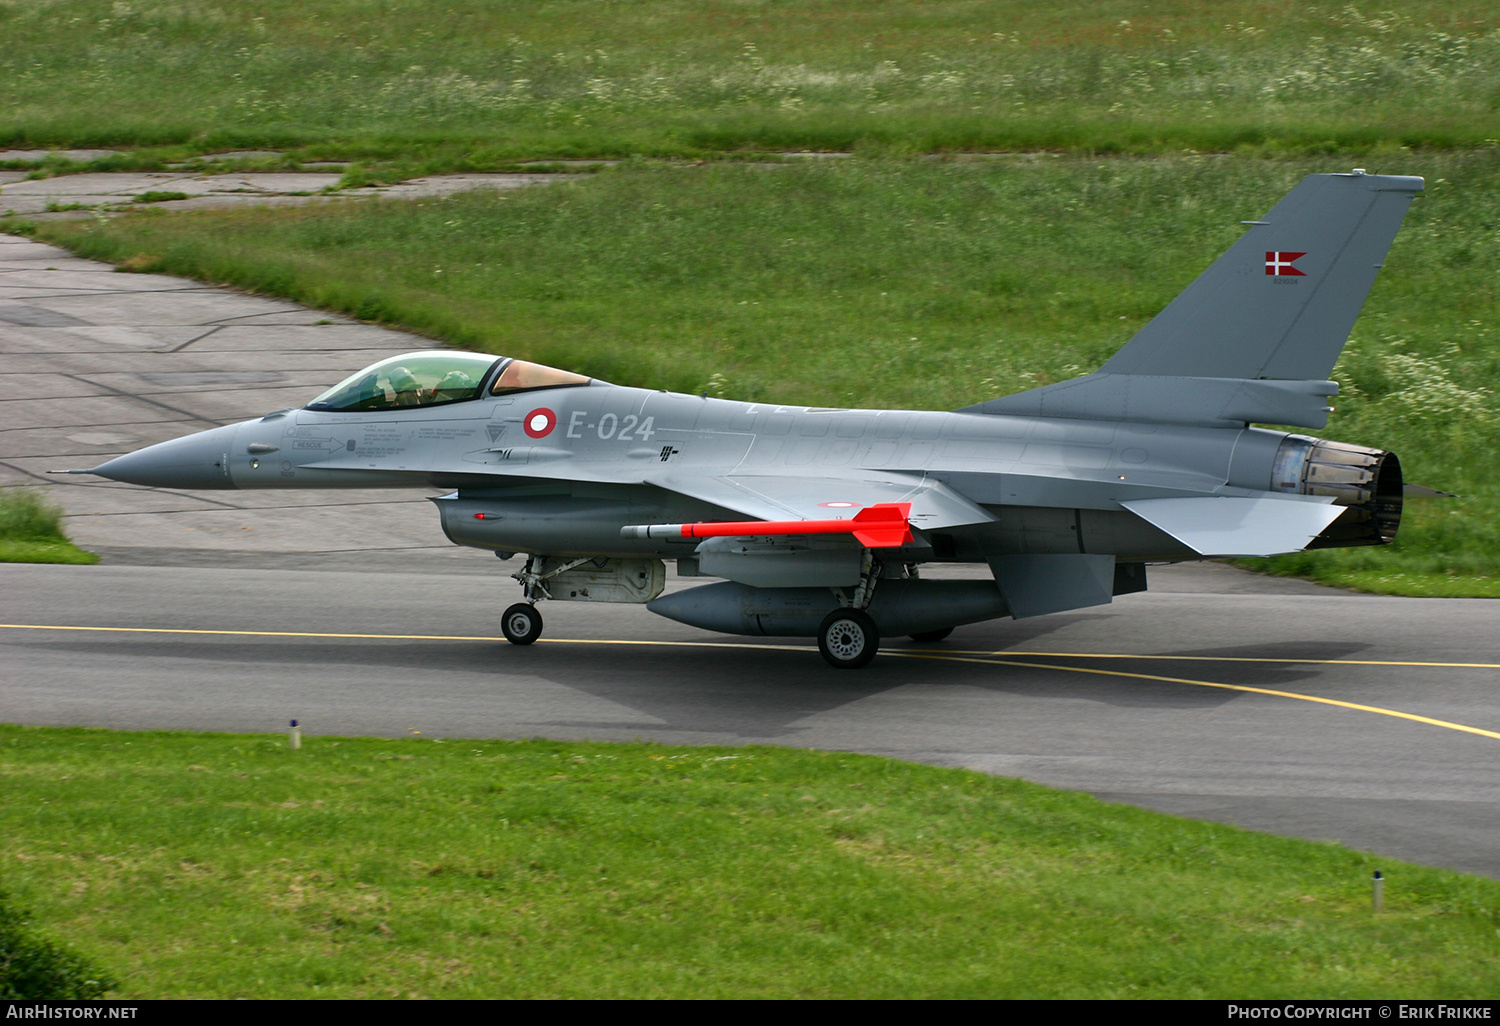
[{"x": 848, "y": 638}]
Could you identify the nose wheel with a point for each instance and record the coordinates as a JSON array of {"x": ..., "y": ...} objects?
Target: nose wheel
[
  {"x": 848, "y": 639},
  {"x": 521, "y": 624}
]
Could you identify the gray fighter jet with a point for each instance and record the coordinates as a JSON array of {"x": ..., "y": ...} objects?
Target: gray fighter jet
[{"x": 818, "y": 520}]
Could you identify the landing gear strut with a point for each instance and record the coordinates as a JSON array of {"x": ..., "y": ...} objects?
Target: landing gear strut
[
  {"x": 848, "y": 637},
  {"x": 522, "y": 623}
]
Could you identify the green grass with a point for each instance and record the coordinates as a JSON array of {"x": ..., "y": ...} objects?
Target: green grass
[
  {"x": 202, "y": 865},
  {"x": 903, "y": 283},
  {"x": 31, "y": 531},
  {"x": 470, "y": 83},
  {"x": 37, "y": 968},
  {"x": 157, "y": 196}
]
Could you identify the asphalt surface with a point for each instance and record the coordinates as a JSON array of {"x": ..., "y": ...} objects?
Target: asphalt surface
[{"x": 1275, "y": 705}]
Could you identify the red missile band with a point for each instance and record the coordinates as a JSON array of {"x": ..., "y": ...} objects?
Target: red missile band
[{"x": 881, "y": 526}]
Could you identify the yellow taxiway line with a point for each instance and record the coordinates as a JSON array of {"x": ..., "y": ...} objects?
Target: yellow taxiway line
[
  {"x": 387, "y": 637},
  {"x": 1007, "y": 653},
  {"x": 1000, "y": 658},
  {"x": 948, "y": 654},
  {"x": 1226, "y": 687}
]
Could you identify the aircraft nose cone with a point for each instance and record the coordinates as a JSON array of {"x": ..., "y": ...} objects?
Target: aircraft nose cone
[{"x": 196, "y": 461}]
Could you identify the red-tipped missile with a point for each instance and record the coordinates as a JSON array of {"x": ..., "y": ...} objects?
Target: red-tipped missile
[{"x": 881, "y": 526}]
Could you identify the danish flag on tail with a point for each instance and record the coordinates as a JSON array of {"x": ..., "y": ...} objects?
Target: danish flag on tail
[{"x": 1279, "y": 262}]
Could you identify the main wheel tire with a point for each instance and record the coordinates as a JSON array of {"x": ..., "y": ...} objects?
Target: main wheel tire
[
  {"x": 848, "y": 639},
  {"x": 927, "y": 637},
  {"x": 521, "y": 624}
]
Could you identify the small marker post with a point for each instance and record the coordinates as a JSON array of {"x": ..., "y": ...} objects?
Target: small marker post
[
  {"x": 1378, "y": 892},
  {"x": 296, "y": 736}
]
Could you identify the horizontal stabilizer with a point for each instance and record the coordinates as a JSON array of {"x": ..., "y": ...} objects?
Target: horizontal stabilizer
[{"x": 1223, "y": 525}]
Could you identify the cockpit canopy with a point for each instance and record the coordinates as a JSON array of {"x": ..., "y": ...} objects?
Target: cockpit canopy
[{"x": 438, "y": 376}]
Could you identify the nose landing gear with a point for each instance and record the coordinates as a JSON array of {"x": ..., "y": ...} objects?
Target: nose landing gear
[{"x": 521, "y": 624}]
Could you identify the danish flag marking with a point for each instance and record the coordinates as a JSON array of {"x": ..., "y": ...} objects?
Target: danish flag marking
[{"x": 1279, "y": 262}]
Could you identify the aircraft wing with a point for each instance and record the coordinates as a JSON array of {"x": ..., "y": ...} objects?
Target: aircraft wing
[{"x": 776, "y": 497}]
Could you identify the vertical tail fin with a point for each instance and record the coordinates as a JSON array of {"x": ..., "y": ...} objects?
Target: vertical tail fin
[
  {"x": 1255, "y": 336},
  {"x": 1281, "y": 302}
]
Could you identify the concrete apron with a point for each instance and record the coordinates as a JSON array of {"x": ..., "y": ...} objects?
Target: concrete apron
[
  {"x": 103, "y": 192},
  {"x": 96, "y": 363}
]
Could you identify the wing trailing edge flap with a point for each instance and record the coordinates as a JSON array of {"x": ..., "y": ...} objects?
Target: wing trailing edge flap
[
  {"x": 934, "y": 505},
  {"x": 1224, "y": 525}
]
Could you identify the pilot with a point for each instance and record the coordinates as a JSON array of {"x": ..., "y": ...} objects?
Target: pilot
[
  {"x": 455, "y": 385},
  {"x": 404, "y": 384},
  {"x": 366, "y": 393}
]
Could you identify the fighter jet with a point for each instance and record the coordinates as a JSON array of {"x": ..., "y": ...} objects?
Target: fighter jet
[{"x": 817, "y": 521}]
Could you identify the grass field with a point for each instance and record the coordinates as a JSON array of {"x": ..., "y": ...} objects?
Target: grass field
[
  {"x": 31, "y": 531},
  {"x": 903, "y": 283},
  {"x": 470, "y": 83},
  {"x": 201, "y": 865}
]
